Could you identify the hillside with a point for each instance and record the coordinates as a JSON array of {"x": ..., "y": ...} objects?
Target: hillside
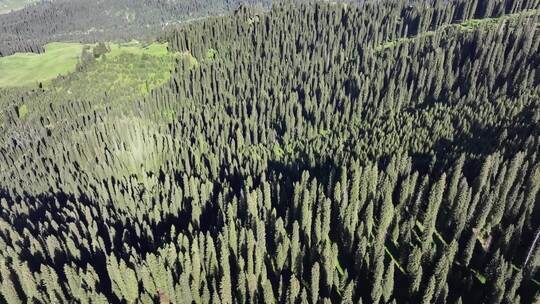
[
  {"x": 90, "y": 21},
  {"x": 372, "y": 152},
  {"x": 29, "y": 68},
  {"x": 7, "y": 6}
]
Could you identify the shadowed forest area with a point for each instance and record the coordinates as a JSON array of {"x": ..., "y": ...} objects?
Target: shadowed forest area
[{"x": 315, "y": 152}]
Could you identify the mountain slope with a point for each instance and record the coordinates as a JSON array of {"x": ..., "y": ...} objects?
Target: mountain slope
[
  {"x": 7, "y": 6},
  {"x": 27, "y": 30},
  {"x": 387, "y": 152}
]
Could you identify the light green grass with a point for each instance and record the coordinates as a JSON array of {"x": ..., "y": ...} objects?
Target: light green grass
[
  {"x": 7, "y": 6},
  {"x": 27, "y": 69},
  {"x": 24, "y": 69},
  {"x": 136, "y": 48},
  {"x": 211, "y": 54},
  {"x": 128, "y": 72}
]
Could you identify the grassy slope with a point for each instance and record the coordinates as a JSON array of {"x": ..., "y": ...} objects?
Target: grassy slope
[
  {"x": 7, "y": 6},
  {"x": 23, "y": 69},
  {"x": 127, "y": 72},
  {"x": 135, "y": 48},
  {"x": 131, "y": 63}
]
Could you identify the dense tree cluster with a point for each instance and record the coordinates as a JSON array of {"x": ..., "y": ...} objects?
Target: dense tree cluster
[
  {"x": 27, "y": 30},
  {"x": 385, "y": 152}
]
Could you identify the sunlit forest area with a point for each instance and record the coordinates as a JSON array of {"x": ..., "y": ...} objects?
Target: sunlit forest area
[{"x": 301, "y": 152}]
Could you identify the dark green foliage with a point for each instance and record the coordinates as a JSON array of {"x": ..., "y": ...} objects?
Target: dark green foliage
[{"x": 327, "y": 153}]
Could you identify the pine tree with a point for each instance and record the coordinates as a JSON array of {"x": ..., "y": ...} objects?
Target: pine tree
[
  {"x": 131, "y": 283},
  {"x": 293, "y": 291},
  {"x": 377, "y": 290},
  {"x": 8, "y": 292},
  {"x": 225, "y": 284},
  {"x": 428, "y": 292},
  {"x": 430, "y": 215},
  {"x": 268, "y": 293},
  {"x": 315, "y": 280},
  {"x": 295, "y": 248},
  {"x": 388, "y": 286},
  {"x": 124, "y": 280},
  {"x": 348, "y": 294}
]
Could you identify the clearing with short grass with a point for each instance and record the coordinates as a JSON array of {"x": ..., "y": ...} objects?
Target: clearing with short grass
[
  {"x": 137, "y": 48},
  {"x": 124, "y": 60},
  {"x": 128, "y": 71},
  {"x": 24, "y": 69}
]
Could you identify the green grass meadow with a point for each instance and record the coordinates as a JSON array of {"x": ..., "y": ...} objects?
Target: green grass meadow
[
  {"x": 131, "y": 59},
  {"x": 126, "y": 71},
  {"x": 23, "y": 69},
  {"x": 136, "y": 48}
]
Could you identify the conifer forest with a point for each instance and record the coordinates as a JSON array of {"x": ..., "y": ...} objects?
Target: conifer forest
[{"x": 369, "y": 151}]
